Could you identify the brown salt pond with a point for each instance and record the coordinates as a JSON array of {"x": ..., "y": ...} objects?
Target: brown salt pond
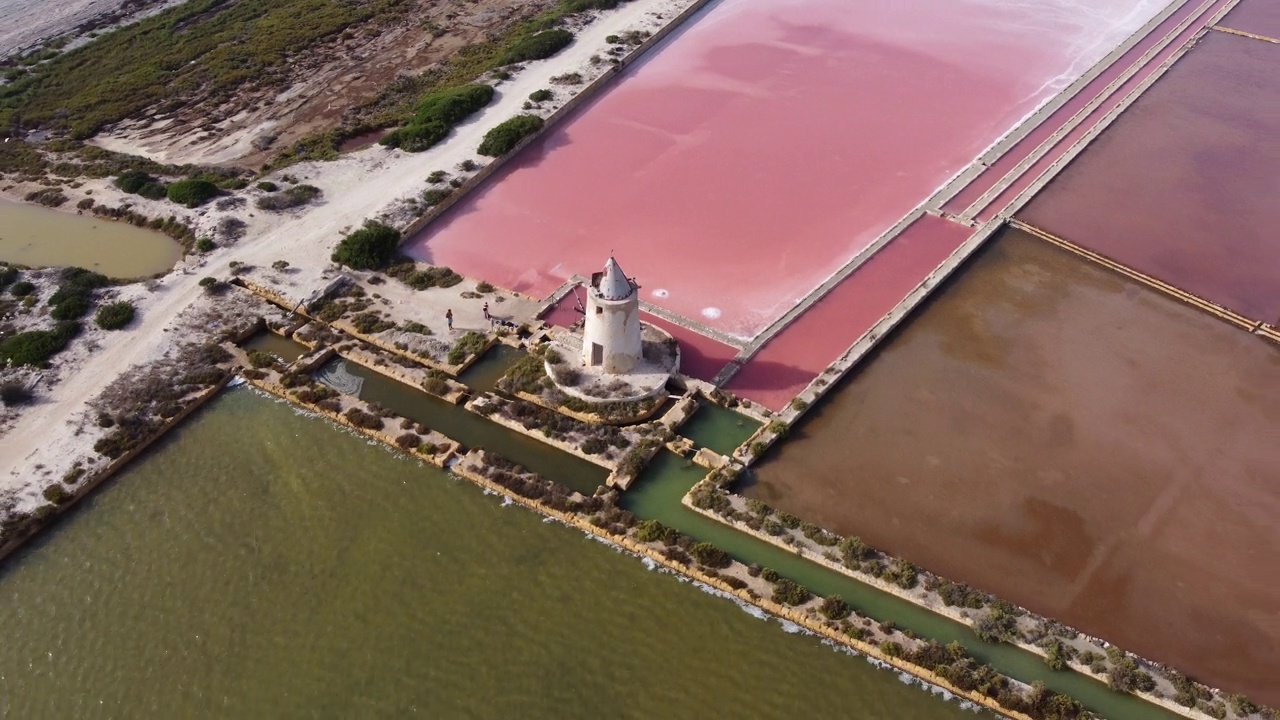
[
  {"x": 38, "y": 237},
  {"x": 1183, "y": 185},
  {"x": 1088, "y": 448},
  {"x": 1260, "y": 17}
]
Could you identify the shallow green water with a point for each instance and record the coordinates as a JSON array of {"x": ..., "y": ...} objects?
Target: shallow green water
[
  {"x": 657, "y": 495},
  {"x": 283, "y": 348},
  {"x": 474, "y": 431},
  {"x": 718, "y": 428},
  {"x": 264, "y": 564}
]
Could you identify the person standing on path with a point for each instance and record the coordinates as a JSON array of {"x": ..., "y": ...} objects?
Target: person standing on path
[
  {"x": 487, "y": 317},
  {"x": 448, "y": 318}
]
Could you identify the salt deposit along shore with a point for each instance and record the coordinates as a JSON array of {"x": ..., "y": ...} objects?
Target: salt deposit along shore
[{"x": 49, "y": 437}]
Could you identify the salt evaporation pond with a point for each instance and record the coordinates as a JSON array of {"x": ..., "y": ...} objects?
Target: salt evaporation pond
[
  {"x": 769, "y": 143},
  {"x": 265, "y": 564},
  {"x": 39, "y": 237},
  {"x": 1260, "y": 17},
  {"x": 1183, "y": 186},
  {"x": 1051, "y": 432}
]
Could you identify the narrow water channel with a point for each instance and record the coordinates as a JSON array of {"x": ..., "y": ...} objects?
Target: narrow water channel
[
  {"x": 38, "y": 237},
  {"x": 260, "y": 563},
  {"x": 658, "y": 493},
  {"x": 472, "y": 430}
]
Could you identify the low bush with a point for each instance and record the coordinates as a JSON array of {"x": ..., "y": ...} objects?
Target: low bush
[
  {"x": 363, "y": 419},
  {"x": 471, "y": 343},
  {"x": 541, "y": 95},
  {"x": 654, "y": 531},
  {"x": 436, "y": 114},
  {"x": 51, "y": 197},
  {"x": 296, "y": 196},
  {"x": 537, "y": 46},
  {"x": 71, "y": 308},
  {"x": 268, "y": 186},
  {"x": 22, "y": 288},
  {"x": 835, "y": 608},
  {"x": 56, "y": 494},
  {"x": 710, "y": 555},
  {"x": 131, "y": 181},
  {"x": 369, "y": 248},
  {"x": 205, "y": 245},
  {"x": 260, "y": 359},
  {"x": 192, "y": 193},
  {"x": 408, "y": 441},
  {"x": 13, "y": 393},
  {"x": 114, "y": 316},
  {"x": 506, "y": 135},
  {"x": 787, "y": 592}
]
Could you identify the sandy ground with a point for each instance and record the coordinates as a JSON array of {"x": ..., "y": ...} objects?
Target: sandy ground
[
  {"x": 326, "y": 83},
  {"x": 43, "y": 443}
]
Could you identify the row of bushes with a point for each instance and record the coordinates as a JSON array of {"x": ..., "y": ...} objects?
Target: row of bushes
[{"x": 437, "y": 114}]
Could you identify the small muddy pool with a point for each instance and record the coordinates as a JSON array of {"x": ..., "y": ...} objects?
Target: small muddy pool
[
  {"x": 39, "y": 237},
  {"x": 282, "y": 347}
]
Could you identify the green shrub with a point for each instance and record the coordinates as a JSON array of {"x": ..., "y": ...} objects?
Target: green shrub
[
  {"x": 51, "y": 197},
  {"x": 471, "y": 343},
  {"x": 835, "y": 608},
  {"x": 369, "y": 248},
  {"x": 131, "y": 181},
  {"x": 293, "y": 197},
  {"x": 363, "y": 419},
  {"x": 537, "y": 46},
  {"x": 71, "y": 308},
  {"x": 505, "y": 136},
  {"x": 653, "y": 531},
  {"x": 114, "y": 316},
  {"x": 268, "y": 186},
  {"x": 22, "y": 288},
  {"x": 192, "y": 193},
  {"x": 56, "y": 494},
  {"x": 435, "y": 116},
  {"x": 710, "y": 555},
  {"x": 541, "y": 95},
  {"x": 205, "y": 244},
  {"x": 786, "y": 592},
  {"x": 35, "y": 347},
  {"x": 260, "y": 359}
]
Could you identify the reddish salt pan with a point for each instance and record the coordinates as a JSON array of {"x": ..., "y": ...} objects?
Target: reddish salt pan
[
  {"x": 768, "y": 144},
  {"x": 789, "y": 361}
]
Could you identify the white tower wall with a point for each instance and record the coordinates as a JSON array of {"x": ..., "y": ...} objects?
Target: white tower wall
[
  {"x": 611, "y": 334},
  {"x": 611, "y": 337}
]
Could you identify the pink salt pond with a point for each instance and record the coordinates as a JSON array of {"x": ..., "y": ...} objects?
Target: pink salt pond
[{"x": 768, "y": 144}]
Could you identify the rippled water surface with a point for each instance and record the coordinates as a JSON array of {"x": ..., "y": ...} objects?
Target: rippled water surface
[{"x": 265, "y": 564}]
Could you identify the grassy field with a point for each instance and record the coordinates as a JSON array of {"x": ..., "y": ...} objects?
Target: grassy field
[{"x": 206, "y": 48}]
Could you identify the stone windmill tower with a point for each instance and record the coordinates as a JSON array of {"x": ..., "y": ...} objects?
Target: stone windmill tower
[{"x": 611, "y": 336}]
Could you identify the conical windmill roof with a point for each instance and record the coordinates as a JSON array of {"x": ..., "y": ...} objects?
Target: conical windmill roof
[{"x": 614, "y": 284}]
